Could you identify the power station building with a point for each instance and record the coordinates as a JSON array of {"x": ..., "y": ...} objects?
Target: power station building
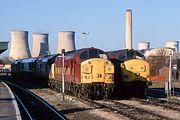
[
  {"x": 172, "y": 44},
  {"x": 40, "y": 46},
  {"x": 66, "y": 40},
  {"x": 19, "y": 48}
]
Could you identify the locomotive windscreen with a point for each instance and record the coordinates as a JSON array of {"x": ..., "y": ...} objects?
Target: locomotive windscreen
[
  {"x": 134, "y": 54},
  {"x": 92, "y": 53}
]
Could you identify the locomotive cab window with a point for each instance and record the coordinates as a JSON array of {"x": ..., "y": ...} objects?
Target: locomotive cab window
[
  {"x": 139, "y": 56},
  {"x": 131, "y": 54},
  {"x": 94, "y": 53},
  {"x": 122, "y": 57},
  {"x": 84, "y": 55},
  {"x": 91, "y": 54}
]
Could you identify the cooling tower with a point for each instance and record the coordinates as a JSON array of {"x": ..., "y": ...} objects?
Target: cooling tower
[
  {"x": 40, "y": 45},
  {"x": 66, "y": 40},
  {"x": 172, "y": 44},
  {"x": 143, "y": 45},
  {"x": 128, "y": 39},
  {"x": 19, "y": 48}
]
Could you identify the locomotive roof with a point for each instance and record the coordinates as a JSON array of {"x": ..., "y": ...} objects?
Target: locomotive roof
[
  {"x": 16, "y": 61},
  {"x": 126, "y": 53},
  {"x": 29, "y": 60},
  {"x": 71, "y": 54},
  {"x": 45, "y": 59}
]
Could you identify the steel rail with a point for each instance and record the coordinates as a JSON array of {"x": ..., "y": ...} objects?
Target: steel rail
[
  {"x": 27, "y": 112},
  {"x": 40, "y": 99}
]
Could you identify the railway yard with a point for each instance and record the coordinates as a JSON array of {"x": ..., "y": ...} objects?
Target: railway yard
[
  {"x": 154, "y": 106},
  {"x": 61, "y": 78}
]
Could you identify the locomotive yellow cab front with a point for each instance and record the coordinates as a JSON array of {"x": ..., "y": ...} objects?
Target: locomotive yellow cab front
[
  {"x": 93, "y": 72},
  {"x": 135, "y": 69}
]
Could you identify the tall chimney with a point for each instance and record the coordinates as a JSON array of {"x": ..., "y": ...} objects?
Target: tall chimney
[
  {"x": 19, "y": 45},
  {"x": 128, "y": 38}
]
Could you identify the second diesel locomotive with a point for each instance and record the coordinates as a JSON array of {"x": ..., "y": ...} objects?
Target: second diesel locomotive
[
  {"x": 88, "y": 73},
  {"x": 131, "y": 72}
]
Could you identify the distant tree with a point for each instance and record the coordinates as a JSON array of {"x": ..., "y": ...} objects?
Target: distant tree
[{"x": 158, "y": 60}]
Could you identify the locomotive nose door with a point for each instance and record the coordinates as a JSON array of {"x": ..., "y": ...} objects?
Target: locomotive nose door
[
  {"x": 98, "y": 70},
  {"x": 93, "y": 71}
]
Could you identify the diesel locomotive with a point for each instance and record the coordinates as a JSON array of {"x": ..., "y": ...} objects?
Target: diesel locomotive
[
  {"x": 132, "y": 71},
  {"x": 88, "y": 72}
]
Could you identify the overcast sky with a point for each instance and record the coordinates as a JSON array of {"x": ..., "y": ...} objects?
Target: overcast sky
[{"x": 156, "y": 21}]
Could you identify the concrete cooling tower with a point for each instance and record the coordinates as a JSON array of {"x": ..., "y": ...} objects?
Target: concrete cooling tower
[
  {"x": 40, "y": 45},
  {"x": 19, "y": 48},
  {"x": 172, "y": 44},
  {"x": 143, "y": 45},
  {"x": 66, "y": 40},
  {"x": 128, "y": 39}
]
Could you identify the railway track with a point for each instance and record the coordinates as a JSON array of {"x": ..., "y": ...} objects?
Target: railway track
[
  {"x": 24, "y": 112},
  {"x": 33, "y": 107},
  {"x": 171, "y": 105},
  {"x": 129, "y": 111}
]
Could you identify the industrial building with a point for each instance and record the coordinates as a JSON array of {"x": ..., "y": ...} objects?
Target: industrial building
[
  {"x": 66, "y": 40},
  {"x": 40, "y": 46},
  {"x": 19, "y": 48}
]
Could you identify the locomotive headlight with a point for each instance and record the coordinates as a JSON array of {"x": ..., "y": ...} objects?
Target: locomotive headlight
[
  {"x": 86, "y": 69},
  {"x": 109, "y": 68}
]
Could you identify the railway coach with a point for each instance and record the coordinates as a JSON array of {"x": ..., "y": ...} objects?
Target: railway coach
[
  {"x": 131, "y": 72},
  {"x": 88, "y": 73}
]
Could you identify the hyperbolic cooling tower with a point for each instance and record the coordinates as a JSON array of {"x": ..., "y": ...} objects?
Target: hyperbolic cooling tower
[
  {"x": 66, "y": 40},
  {"x": 128, "y": 39},
  {"x": 172, "y": 44},
  {"x": 19, "y": 45},
  {"x": 143, "y": 45},
  {"x": 40, "y": 45}
]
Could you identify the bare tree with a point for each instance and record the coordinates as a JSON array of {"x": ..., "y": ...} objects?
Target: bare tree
[{"x": 158, "y": 60}]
